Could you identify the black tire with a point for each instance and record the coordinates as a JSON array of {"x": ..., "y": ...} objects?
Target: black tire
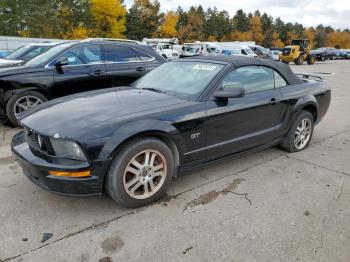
[
  {"x": 288, "y": 142},
  {"x": 310, "y": 60},
  {"x": 299, "y": 60},
  {"x": 164, "y": 56},
  {"x": 114, "y": 182},
  {"x": 286, "y": 62},
  {"x": 12, "y": 101}
]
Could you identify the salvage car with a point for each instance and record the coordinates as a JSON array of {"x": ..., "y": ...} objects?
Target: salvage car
[
  {"x": 132, "y": 141},
  {"x": 71, "y": 68}
]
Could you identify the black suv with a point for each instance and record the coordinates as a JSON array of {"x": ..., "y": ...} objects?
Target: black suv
[{"x": 70, "y": 68}]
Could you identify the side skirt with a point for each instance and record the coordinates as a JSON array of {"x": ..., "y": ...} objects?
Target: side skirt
[{"x": 182, "y": 170}]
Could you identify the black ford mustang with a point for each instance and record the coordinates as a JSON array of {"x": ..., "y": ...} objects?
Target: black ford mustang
[{"x": 186, "y": 113}]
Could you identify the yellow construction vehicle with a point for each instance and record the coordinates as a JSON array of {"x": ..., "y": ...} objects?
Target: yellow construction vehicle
[{"x": 298, "y": 52}]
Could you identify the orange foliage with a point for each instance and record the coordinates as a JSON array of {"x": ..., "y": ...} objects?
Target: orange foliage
[
  {"x": 338, "y": 40},
  {"x": 168, "y": 27}
]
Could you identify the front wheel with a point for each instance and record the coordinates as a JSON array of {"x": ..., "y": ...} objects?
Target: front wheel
[
  {"x": 299, "y": 136},
  {"x": 140, "y": 173},
  {"x": 299, "y": 60},
  {"x": 21, "y": 102}
]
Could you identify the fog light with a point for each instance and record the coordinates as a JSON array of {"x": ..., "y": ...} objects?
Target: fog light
[{"x": 70, "y": 174}]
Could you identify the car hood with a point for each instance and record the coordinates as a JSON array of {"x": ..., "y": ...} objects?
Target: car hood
[
  {"x": 69, "y": 116},
  {"x": 18, "y": 69},
  {"x": 5, "y": 61}
]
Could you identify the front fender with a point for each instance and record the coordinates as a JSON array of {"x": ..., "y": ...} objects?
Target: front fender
[
  {"x": 131, "y": 129},
  {"x": 8, "y": 94}
]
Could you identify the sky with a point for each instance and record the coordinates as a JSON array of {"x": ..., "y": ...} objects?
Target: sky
[{"x": 335, "y": 13}]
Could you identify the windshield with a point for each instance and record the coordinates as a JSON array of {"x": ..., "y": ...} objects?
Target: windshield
[
  {"x": 26, "y": 52},
  {"x": 189, "y": 49},
  {"x": 249, "y": 51},
  {"x": 186, "y": 80},
  {"x": 46, "y": 56}
]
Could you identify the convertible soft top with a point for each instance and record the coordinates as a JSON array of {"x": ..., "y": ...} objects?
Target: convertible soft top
[{"x": 238, "y": 61}]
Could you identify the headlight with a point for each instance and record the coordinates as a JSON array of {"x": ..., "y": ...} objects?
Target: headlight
[{"x": 67, "y": 149}]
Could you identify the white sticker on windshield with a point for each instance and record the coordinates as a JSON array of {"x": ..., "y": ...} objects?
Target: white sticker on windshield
[{"x": 204, "y": 67}]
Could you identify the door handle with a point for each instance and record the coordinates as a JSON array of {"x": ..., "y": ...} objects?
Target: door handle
[
  {"x": 140, "y": 69},
  {"x": 274, "y": 101},
  {"x": 97, "y": 73}
]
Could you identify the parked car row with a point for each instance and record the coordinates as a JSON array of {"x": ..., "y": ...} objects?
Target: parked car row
[{"x": 330, "y": 53}]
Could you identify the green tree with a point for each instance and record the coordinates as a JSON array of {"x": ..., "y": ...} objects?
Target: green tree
[
  {"x": 143, "y": 19},
  {"x": 11, "y": 12},
  {"x": 320, "y": 36},
  {"x": 183, "y": 18},
  {"x": 241, "y": 21},
  {"x": 217, "y": 24},
  {"x": 268, "y": 30}
]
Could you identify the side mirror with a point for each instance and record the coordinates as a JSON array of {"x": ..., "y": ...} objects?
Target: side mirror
[
  {"x": 62, "y": 61},
  {"x": 230, "y": 91}
]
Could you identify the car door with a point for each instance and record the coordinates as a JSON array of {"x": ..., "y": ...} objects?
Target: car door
[
  {"x": 85, "y": 71},
  {"x": 123, "y": 64},
  {"x": 238, "y": 124}
]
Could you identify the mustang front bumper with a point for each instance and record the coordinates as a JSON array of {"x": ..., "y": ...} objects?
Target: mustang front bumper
[{"x": 37, "y": 170}]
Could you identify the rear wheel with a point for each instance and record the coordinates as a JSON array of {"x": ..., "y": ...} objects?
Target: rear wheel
[
  {"x": 299, "y": 60},
  {"x": 299, "y": 136},
  {"x": 140, "y": 173},
  {"x": 21, "y": 102}
]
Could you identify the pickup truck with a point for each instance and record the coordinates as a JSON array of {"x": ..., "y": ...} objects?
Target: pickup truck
[{"x": 190, "y": 112}]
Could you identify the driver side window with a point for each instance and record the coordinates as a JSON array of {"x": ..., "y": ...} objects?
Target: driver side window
[
  {"x": 251, "y": 78},
  {"x": 83, "y": 55}
]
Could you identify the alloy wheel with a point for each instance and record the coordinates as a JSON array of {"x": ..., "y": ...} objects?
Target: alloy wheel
[
  {"x": 24, "y": 103},
  {"x": 302, "y": 134},
  {"x": 145, "y": 174}
]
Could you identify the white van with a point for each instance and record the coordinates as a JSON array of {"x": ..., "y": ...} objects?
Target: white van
[{"x": 236, "y": 49}]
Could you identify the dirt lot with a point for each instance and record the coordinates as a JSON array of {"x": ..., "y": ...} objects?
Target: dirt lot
[{"x": 268, "y": 206}]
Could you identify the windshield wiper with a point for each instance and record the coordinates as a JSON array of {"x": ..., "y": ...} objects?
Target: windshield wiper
[{"x": 154, "y": 90}]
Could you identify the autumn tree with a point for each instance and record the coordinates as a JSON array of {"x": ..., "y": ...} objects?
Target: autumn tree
[
  {"x": 143, "y": 19},
  {"x": 276, "y": 41},
  {"x": 256, "y": 30},
  {"x": 338, "y": 39},
  {"x": 109, "y": 17},
  {"x": 74, "y": 18},
  {"x": 193, "y": 30},
  {"x": 309, "y": 34},
  {"x": 168, "y": 26}
]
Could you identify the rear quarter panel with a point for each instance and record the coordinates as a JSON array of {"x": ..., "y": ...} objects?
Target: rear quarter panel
[{"x": 309, "y": 93}]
